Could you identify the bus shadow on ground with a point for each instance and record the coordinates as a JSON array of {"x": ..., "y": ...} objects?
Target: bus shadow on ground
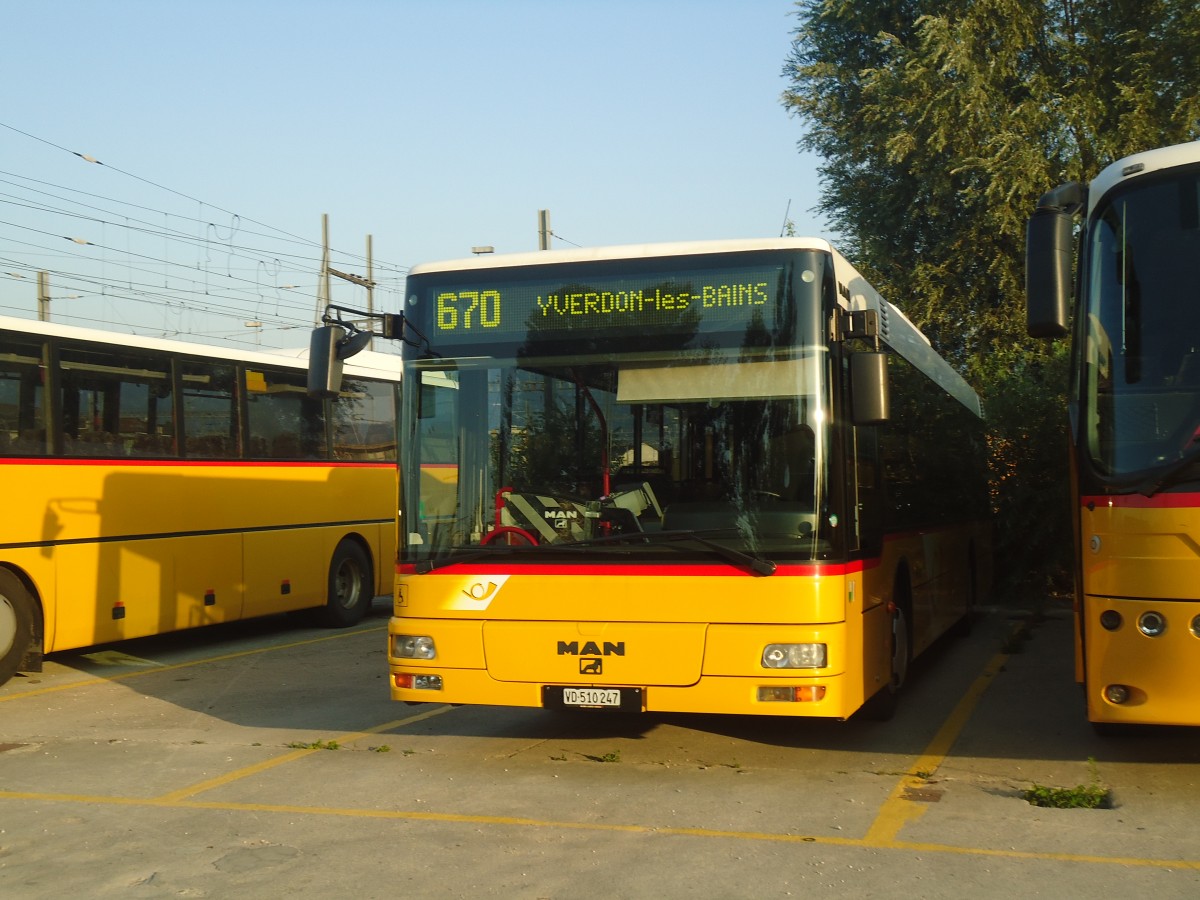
[
  {"x": 278, "y": 672},
  {"x": 282, "y": 673}
]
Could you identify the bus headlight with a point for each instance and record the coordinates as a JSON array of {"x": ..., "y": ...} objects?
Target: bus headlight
[
  {"x": 413, "y": 646},
  {"x": 794, "y": 656},
  {"x": 1152, "y": 624},
  {"x": 1196, "y": 626},
  {"x": 409, "y": 681}
]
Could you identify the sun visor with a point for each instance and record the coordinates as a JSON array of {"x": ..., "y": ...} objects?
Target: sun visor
[{"x": 713, "y": 381}]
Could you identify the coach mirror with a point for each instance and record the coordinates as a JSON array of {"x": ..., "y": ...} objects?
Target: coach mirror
[
  {"x": 869, "y": 388},
  {"x": 1049, "y": 248},
  {"x": 324, "y": 363},
  {"x": 327, "y": 348}
]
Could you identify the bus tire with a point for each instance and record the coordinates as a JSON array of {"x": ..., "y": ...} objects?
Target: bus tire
[
  {"x": 351, "y": 586},
  {"x": 882, "y": 706},
  {"x": 16, "y": 623}
]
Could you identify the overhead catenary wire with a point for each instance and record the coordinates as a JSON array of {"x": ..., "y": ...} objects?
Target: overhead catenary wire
[
  {"x": 559, "y": 237},
  {"x": 187, "y": 265},
  {"x": 93, "y": 160},
  {"x": 179, "y": 234}
]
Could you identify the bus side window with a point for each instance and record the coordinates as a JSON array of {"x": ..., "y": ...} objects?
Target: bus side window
[
  {"x": 22, "y": 398},
  {"x": 364, "y": 421},
  {"x": 284, "y": 421},
  {"x": 209, "y": 409},
  {"x": 113, "y": 401}
]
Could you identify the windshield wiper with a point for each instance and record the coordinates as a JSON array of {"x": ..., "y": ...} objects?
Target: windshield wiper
[
  {"x": 1165, "y": 475},
  {"x": 755, "y": 564},
  {"x": 470, "y": 554}
]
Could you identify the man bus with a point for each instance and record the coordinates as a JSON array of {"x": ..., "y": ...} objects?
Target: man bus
[
  {"x": 1134, "y": 401},
  {"x": 721, "y": 477},
  {"x": 155, "y": 485}
]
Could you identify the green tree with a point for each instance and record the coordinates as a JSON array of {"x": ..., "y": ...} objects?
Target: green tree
[{"x": 939, "y": 126}]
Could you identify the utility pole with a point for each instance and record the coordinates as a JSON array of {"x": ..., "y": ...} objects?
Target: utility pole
[
  {"x": 370, "y": 290},
  {"x": 323, "y": 282},
  {"x": 43, "y": 296},
  {"x": 323, "y": 292},
  {"x": 543, "y": 229}
]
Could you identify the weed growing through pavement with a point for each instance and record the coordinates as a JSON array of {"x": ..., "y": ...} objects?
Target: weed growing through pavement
[
  {"x": 610, "y": 757},
  {"x": 1093, "y": 795}
]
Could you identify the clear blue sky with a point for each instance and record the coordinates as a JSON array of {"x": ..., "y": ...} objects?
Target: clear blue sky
[{"x": 226, "y": 129}]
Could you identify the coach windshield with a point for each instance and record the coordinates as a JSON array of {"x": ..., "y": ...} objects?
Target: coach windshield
[{"x": 561, "y": 436}]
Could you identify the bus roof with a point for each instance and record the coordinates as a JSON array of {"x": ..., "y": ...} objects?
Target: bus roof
[
  {"x": 626, "y": 251},
  {"x": 1141, "y": 164},
  {"x": 897, "y": 331},
  {"x": 380, "y": 365}
]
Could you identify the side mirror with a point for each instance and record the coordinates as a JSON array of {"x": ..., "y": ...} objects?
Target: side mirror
[
  {"x": 869, "y": 399},
  {"x": 325, "y": 362},
  {"x": 1049, "y": 252},
  {"x": 327, "y": 347}
]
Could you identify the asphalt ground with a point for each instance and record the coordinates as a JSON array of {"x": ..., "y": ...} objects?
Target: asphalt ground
[{"x": 266, "y": 759}]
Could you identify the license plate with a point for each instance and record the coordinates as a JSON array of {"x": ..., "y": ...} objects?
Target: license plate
[
  {"x": 560, "y": 697},
  {"x": 591, "y": 697}
]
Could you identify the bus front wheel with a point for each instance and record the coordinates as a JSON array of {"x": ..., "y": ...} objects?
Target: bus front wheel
[
  {"x": 16, "y": 623},
  {"x": 882, "y": 705},
  {"x": 351, "y": 586}
]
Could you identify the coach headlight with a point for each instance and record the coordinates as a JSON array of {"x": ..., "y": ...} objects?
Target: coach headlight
[
  {"x": 413, "y": 646},
  {"x": 794, "y": 656}
]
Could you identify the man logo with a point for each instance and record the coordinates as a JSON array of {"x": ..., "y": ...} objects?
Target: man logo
[
  {"x": 591, "y": 648},
  {"x": 591, "y": 667}
]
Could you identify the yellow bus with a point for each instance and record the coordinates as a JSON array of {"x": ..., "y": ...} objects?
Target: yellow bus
[
  {"x": 718, "y": 477},
  {"x": 1134, "y": 401},
  {"x": 155, "y": 485}
]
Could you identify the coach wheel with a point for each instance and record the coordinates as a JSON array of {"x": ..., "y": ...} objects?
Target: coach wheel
[
  {"x": 351, "y": 586},
  {"x": 16, "y": 623},
  {"x": 882, "y": 706},
  {"x": 901, "y": 648}
]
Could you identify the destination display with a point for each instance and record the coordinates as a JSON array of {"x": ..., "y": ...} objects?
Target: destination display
[{"x": 664, "y": 301}]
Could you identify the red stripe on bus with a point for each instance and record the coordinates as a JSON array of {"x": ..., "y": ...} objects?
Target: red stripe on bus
[
  {"x": 807, "y": 570},
  {"x": 260, "y": 463},
  {"x": 1137, "y": 501}
]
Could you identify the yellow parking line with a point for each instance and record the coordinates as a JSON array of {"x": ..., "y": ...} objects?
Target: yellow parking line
[
  {"x": 898, "y": 811},
  {"x": 895, "y": 813},
  {"x": 654, "y": 830},
  {"x": 94, "y": 680},
  {"x": 238, "y": 774},
  {"x": 1141, "y": 861}
]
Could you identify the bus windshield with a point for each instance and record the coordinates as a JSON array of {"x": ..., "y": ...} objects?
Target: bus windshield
[
  {"x": 1140, "y": 336},
  {"x": 626, "y": 442}
]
